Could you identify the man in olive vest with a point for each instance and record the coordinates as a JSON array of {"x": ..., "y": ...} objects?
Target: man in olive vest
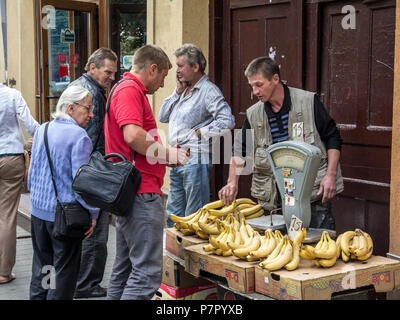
[{"x": 280, "y": 109}]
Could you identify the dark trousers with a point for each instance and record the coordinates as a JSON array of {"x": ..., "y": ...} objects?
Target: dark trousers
[
  {"x": 55, "y": 263},
  {"x": 322, "y": 216},
  {"x": 94, "y": 255}
]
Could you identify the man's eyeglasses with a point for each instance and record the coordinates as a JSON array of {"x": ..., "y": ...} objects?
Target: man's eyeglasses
[{"x": 89, "y": 108}]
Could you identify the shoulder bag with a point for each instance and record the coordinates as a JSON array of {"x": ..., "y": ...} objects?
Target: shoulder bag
[
  {"x": 72, "y": 220},
  {"x": 108, "y": 185}
]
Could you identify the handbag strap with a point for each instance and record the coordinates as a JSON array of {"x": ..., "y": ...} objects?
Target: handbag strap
[
  {"x": 109, "y": 102},
  {"x": 46, "y": 144}
]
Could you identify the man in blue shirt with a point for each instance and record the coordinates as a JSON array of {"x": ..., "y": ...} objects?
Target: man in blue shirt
[{"x": 196, "y": 112}]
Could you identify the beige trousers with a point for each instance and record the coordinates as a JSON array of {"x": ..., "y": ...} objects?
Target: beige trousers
[{"x": 11, "y": 176}]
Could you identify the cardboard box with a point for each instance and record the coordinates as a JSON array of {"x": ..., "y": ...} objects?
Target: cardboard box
[
  {"x": 175, "y": 242},
  {"x": 203, "y": 292},
  {"x": 238, "y": 274},
  {"x": 308, "y": 282},
  {"x": 174, "y": 275}
]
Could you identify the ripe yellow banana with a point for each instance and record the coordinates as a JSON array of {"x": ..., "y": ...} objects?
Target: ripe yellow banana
[
  {"x": 306, "y": 255},
  {"x": 213, "y": 205},
  {"x": 345, "y": 257},
  {"x": 282, "y": 259},
  {"x": 176, "y": 218},
  {"x": 209, "y": 228},
  {"x": 224, "y": 211},
  {"x": 261, "y": 252},
  {"x": 244, "y": 201},
  {"x": 345, "y": 242},
  {"x": 362, "y": 245},
  {"x": 251, "y": 210},
  {"x": 326, "y": 263},
  {"x": 229, "y": 238},
  {"x": 339, "y": 250},
  {"x": 208, "y": 247},
  {"x": 295, "y": 261},
  {"x": 354, "y": 243},
  {"x": 310, "y": 251},
  {"x": 328, "y": 250},
  {"x": 370, "y": 247},
  {"x": 213, "y": 241},
  {"x": 187, "y": 232},
  {"x": 244, "y": 206},
  {"x": 300, "y": 236},
  {"x": 234, "y": 245},
  {"x": 202, "y": 235},
  {"x": 254, "y": 245},
  {"x": 275, "y": 252},
  {"x": 258, "y": 214}
]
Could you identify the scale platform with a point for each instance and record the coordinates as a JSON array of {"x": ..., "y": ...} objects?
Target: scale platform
[{"x": 278, "y": 223}]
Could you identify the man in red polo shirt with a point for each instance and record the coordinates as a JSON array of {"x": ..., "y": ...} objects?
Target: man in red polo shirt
[{"x": 130, "y": 129}]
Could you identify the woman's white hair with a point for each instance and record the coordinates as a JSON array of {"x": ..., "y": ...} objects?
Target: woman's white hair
[{"x": 71, "y": 95}]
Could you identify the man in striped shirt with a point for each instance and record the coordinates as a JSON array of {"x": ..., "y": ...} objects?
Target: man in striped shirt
[{"x": 273, "y": 119}]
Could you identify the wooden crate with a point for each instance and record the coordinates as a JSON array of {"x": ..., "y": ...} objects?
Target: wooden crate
[{"x": 175, "y": 242}]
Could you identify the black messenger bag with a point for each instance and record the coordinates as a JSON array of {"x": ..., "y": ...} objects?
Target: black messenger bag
[{"x": 110, "y": 186}]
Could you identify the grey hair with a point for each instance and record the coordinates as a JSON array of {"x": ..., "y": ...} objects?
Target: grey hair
[
  {"x": 193, "y": 55},
  {"x": 99, "y": 56},
  {"x": 71, "y": 95}
]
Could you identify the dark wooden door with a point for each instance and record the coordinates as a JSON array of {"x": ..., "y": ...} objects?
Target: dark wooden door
[
  {"x": 260, "y": 28},
  {"x": 357, "y": 89}
]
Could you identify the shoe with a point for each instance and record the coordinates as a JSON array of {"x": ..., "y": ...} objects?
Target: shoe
[
  {"x": 96, "y": 292},
  {"x": 7, "y": 279}
]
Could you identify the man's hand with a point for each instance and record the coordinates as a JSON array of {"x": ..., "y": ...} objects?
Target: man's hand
[
  {"x": 228, "y": 193},
  {"x": 177, "y": 156},
  {"x": 327, "y": 188},
  {"x": 180, "y": 86},
  {"x": 90, "y": 230}
]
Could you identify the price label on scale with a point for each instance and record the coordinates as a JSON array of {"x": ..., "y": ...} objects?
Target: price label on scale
[{"x": 295, "y": 226}]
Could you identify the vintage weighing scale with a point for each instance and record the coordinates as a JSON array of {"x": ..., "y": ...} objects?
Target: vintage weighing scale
[{"x": 295, "y": 166}]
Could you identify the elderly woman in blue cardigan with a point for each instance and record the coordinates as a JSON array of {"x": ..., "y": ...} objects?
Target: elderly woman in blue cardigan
[{"x": 55, "y": 263}]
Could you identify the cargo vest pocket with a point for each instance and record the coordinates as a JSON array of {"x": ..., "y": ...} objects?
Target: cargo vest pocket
[
  {"x": 261, "y": 162},
  {"x": 261, "y": 186}
]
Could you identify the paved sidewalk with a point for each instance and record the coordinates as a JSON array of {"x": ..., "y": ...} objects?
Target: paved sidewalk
[{"x": 18, "y": 289}]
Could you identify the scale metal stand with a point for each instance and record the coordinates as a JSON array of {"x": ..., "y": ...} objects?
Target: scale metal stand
[{"x": 295, "y": 166}]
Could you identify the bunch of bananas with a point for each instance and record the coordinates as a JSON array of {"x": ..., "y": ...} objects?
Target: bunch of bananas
[
  {"x": 203, "y": 222},
  {"x": 324, "y": 254},
  {"x": 356, "y": 245},
  {"x": 285, "y": 254},
  {"x": 234, "y": 231}
]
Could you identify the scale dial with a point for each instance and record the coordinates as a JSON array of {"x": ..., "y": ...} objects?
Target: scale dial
[{"x": 288, "y": 158}]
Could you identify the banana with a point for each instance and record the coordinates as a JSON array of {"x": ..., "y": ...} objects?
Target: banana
[
  {"x": 295, "y": 261},
  {"x": 208, "y": 248},
  {"x": 300, "y": 236},
  {"x": 362, "y": 245},
  {"x": 244, "y": 201},
  {"x": 345, "y": 257},
  {"x": 209, "y": 228},
  {"x": 370, "y": 247},
  {"x": 326, "y": 263},
  {"x": 249, "y": 229},
  {"x": 258, "y": 214},
  {"x": 274, "y": 253},
  {"x": 282, "y": 259},
  {"x": 261, "y": 252},
  {"x": 310, "y": 251},
  {"x": 224, "y": 211},
  {"x": 235, "y": 246},
  {"x": 227, "y": 253},
  {"x": 187, "y": 232},
  {"x": 306, "y": 255},
  {"x": 202, "y": 235},
  {"x": 253, "y": 245},
  {"x": 213, "y": 241},
  {"x": 354, "y": 243},
  {"x": 328, "y": 250},
  {"x": 244, "y": 206},
  {"x": 229, "y": 238},
  {"x": 339, "y": 250},
  {"x": 345, "y": 242},
  {"x": 251, "y": 210},
  {"x": 176, "y": 218},
  {"x": 196, "y": 217},
  {"x": 218, "y": 252},
  {"x": 272, "y": 243},
  {"x": 213, "y": 205}
]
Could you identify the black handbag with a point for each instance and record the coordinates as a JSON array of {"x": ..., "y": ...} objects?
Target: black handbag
[
  {"x": 110, "y": 186},
  {"x": 72, "y": 220}
]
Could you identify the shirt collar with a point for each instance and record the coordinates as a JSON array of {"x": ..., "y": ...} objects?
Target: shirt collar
[
  {"x": 286, "y": 106},
  {"x": 141, "y": 85},
  {"x": 200, "y": 82},
  {"x": 92, "y": 80}
]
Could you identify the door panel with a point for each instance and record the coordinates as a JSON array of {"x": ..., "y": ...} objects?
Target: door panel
[
  {"x": 357, "y": 89},
  {"x": 257, "y": 31},
  {"x": 63, "y": 53}
]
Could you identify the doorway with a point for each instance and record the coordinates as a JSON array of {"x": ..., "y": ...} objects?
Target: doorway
[{"x": 67, "y": 35}]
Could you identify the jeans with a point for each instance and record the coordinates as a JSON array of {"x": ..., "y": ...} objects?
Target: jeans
[
  {"x": 137, "y": 269},
  {"x": 94, "y": 255},
  {"x": 189, "y": 188}
]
